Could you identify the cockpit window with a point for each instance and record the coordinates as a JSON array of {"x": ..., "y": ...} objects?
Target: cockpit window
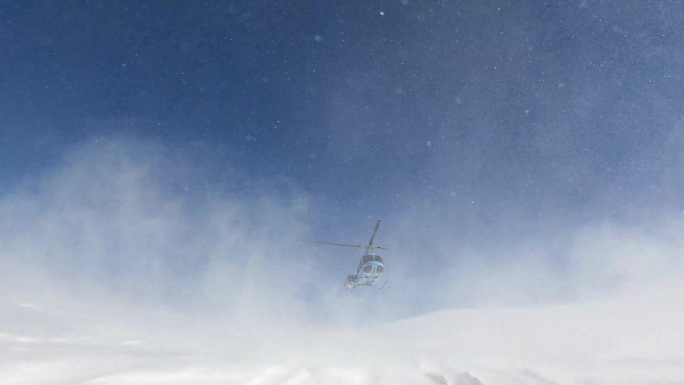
[{"x": 369, "y": 258}]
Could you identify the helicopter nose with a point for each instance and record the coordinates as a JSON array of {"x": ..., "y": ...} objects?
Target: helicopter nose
[{"x": 373, "y": 268}]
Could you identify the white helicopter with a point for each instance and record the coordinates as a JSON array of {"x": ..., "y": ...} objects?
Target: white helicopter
[{"x": 370, "y": 266}]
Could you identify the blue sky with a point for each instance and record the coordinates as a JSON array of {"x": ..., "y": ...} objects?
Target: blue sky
[{"x": 474, "y": 130}]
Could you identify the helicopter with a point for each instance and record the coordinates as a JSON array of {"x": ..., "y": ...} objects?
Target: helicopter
[{"x": 370, "y": 267}]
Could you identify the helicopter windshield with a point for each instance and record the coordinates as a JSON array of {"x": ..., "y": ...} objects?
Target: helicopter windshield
[{"x": 370, "y": 258}]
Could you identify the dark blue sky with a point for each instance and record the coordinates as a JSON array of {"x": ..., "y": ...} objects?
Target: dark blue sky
[
  {"x": 474, "y": 119},
  {"x": 359, "y": 103}
]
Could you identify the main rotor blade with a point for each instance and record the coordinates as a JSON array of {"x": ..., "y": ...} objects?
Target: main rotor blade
[
  {"x": 337, "y": 244},
  {"x": 375, "y": 231}
]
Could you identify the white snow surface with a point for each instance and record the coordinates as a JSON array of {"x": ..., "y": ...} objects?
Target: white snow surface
[{"x": 636, "y": 339}]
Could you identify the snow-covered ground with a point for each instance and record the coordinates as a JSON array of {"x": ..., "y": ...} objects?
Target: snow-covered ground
[
  {"x": 638, "y": 339},
  {"x": 119, "y": 281}
]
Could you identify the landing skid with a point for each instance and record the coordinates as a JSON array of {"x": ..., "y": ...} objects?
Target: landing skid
[
  {"x": 383, "y": 286},
  {"x": 353, "y": 281}
]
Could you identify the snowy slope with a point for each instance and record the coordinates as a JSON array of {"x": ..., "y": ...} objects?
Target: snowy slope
[{"x": 636, "y": 340}]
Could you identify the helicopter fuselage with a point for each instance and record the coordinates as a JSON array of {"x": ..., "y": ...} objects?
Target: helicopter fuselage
[
  {"x": 368, "y": 271},
  {"x": 370, "y": 266}
]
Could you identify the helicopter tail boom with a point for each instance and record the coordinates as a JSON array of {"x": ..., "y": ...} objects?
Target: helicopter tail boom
[{"x": 375, "y": 231}]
